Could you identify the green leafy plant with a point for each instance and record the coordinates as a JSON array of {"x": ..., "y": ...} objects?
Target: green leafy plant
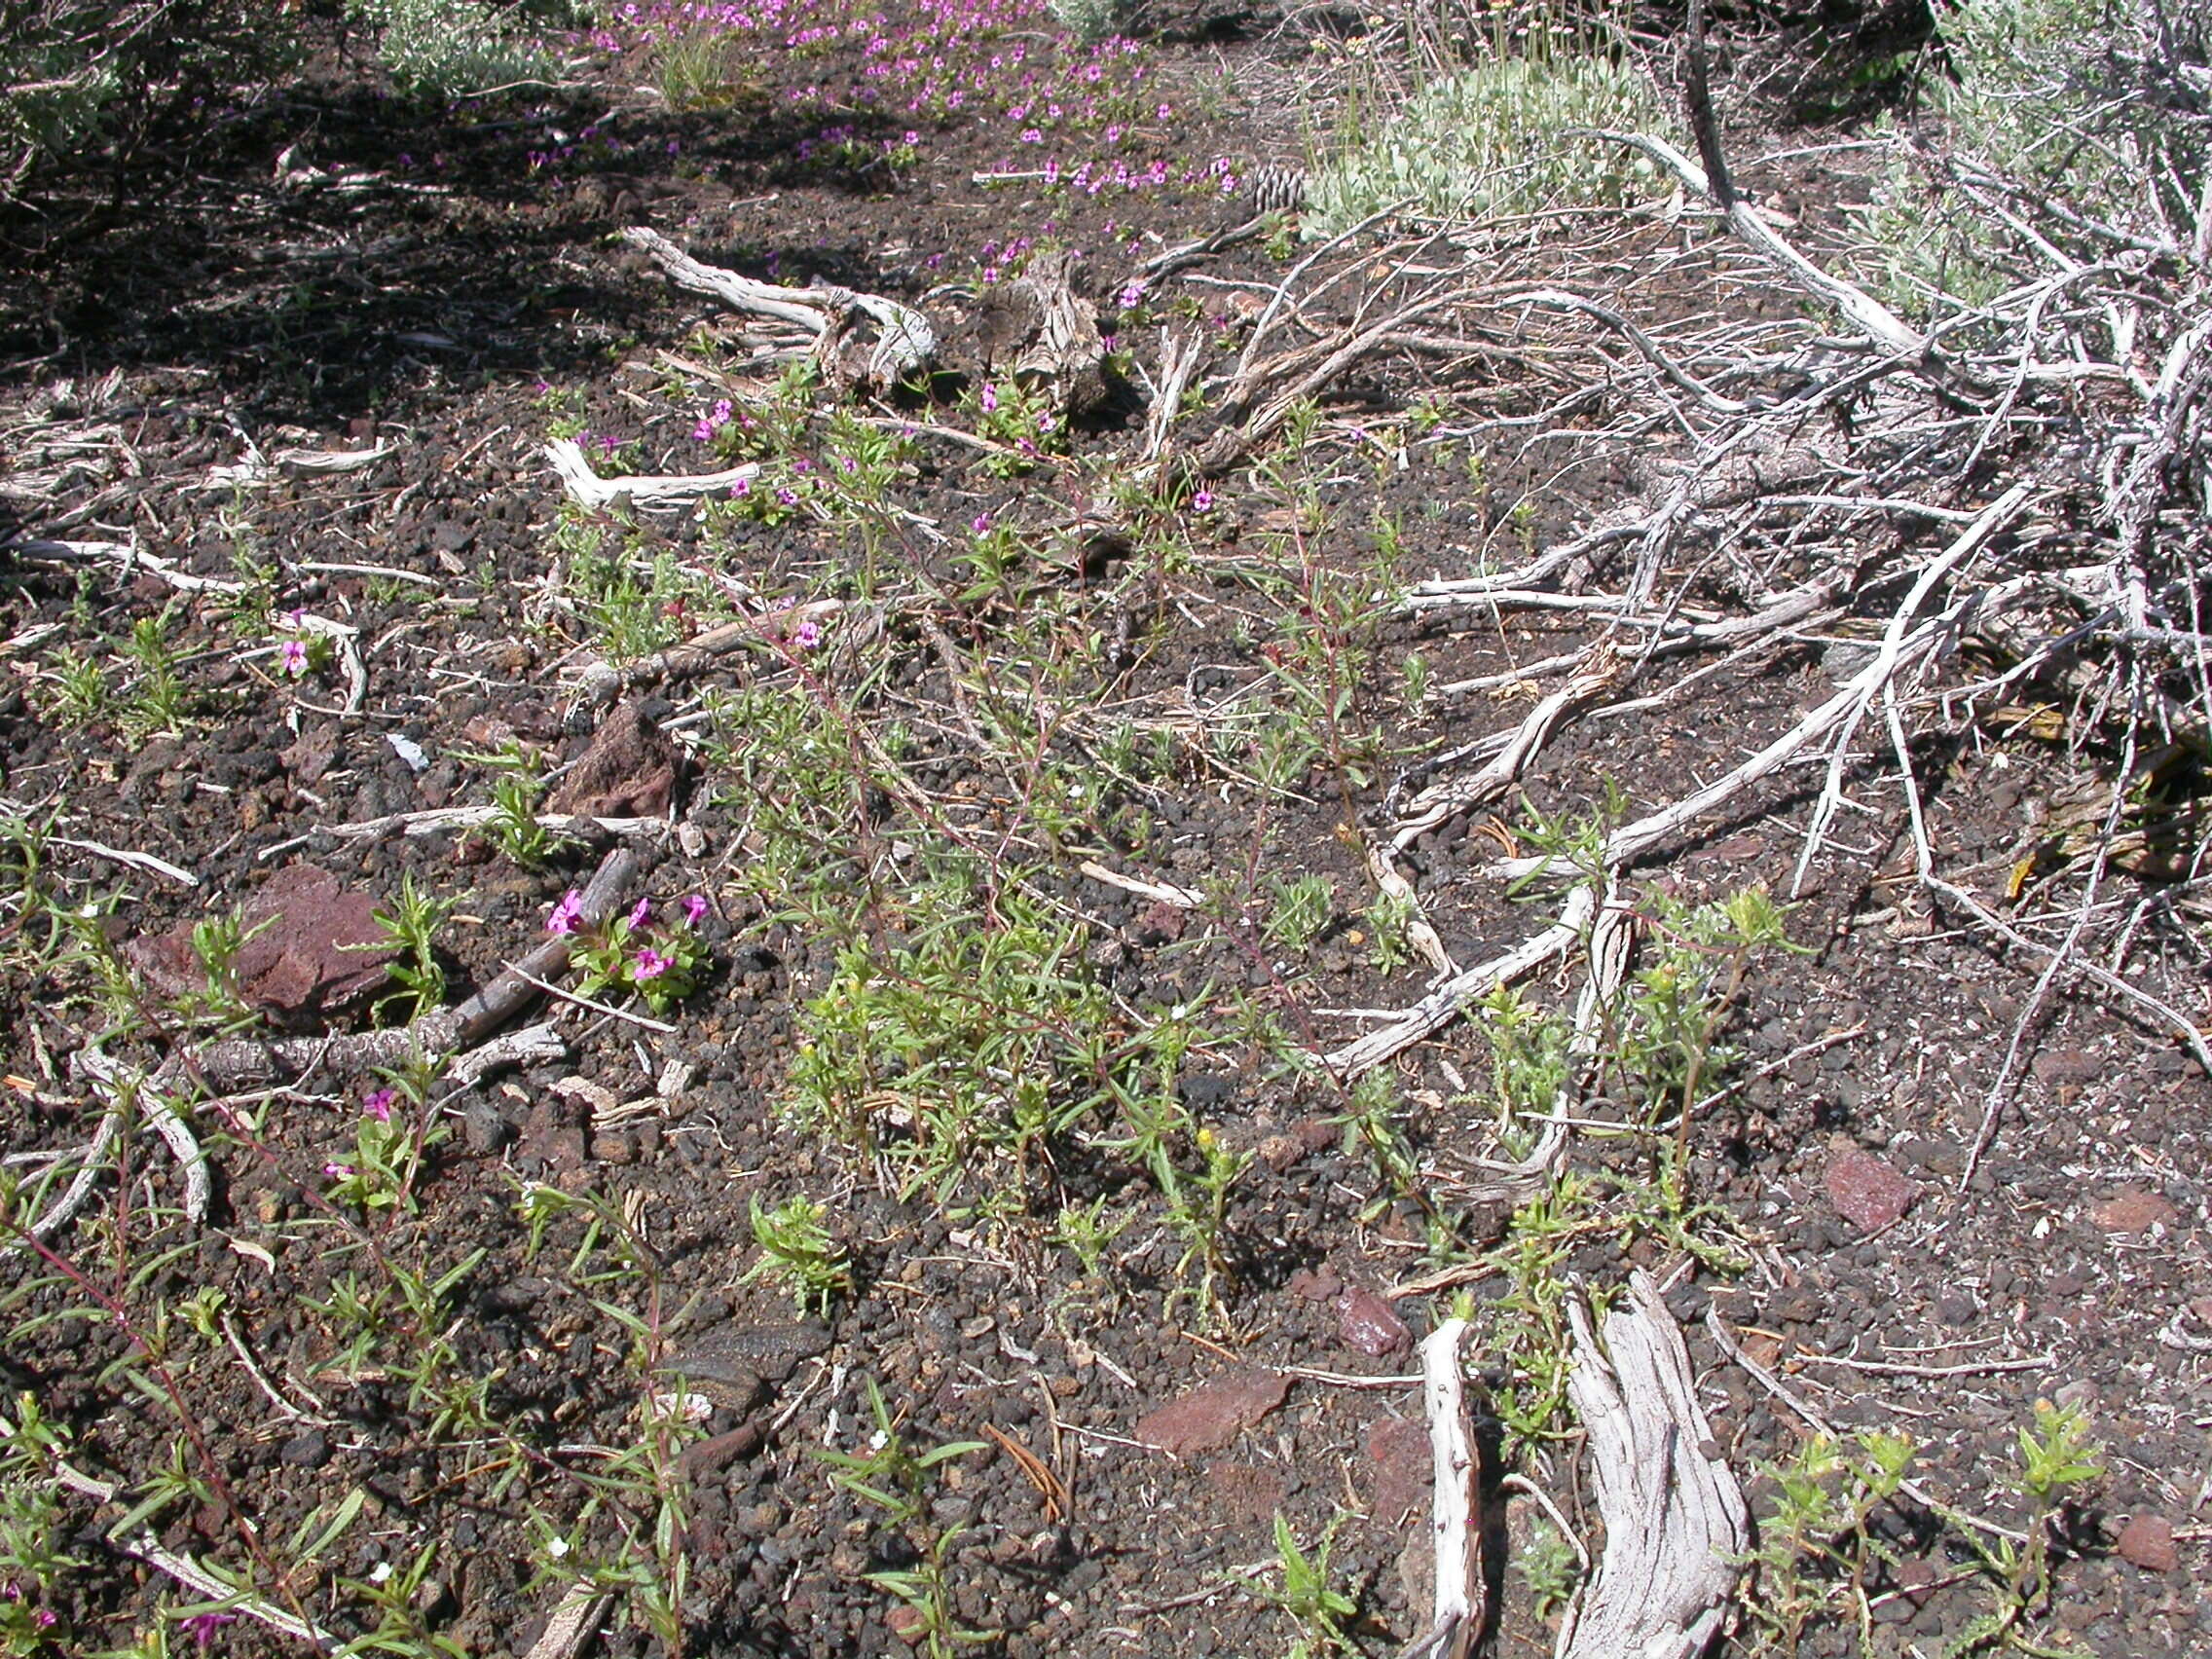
[
  {"x": 1300, "y": 913},
  {"x": 1306, "y": 1594},
  {"x": 1498, "y": 138},
  {"x": 1550, "y": 1568},
  {"x": 448, "y": 49},
  {"x": 410, "y": 922},
  {"x": 926, "y": 1589},
  {"x": 515, "y": 828},
  {"x": 797, "y": 1250},
  {"x": 891, "y": 1475},
  {"x": 659, "y": 957}
]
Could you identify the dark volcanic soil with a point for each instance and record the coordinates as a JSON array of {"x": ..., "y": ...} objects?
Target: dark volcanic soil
[{"x": 447, "y": 288}]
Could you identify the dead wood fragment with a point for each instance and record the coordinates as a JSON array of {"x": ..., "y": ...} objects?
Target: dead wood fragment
[
  {"x": 1455, "y": 795},
  {"x": 1869, "y": 315},
  {"x": 904, "y": 340},
  {"x": 572, "y": 1622},
  {"x": 1419, "y": 932},
  {"x": 1674, "y": 1514},
  {"x": 1452, "y": 1528},
  {"x": 1444, "y": 1005},
  {"x": 644, "y": 492},
  {"x": 1039, "y": 329}
]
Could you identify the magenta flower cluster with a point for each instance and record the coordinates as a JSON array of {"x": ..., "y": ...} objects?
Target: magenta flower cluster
[{"x": 648, "y": 961}]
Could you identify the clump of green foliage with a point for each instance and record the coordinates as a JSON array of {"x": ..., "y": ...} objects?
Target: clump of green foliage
[
  {"x": 446, "y": 48},
  {"x": 1495, "y": 139},
  {"x": 2047, "y": 101}
]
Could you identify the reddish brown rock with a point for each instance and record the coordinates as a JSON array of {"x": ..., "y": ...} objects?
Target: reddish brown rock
[
  {"x": 311, "y": 752},
  {"x": 2146, "y": 1542},
  {"x": 1158, "y": 923},
  {"x": 2067, "y": 1068},
  {"x": 1314, "y": 1284},
  {"x": 1371, "y": 1325},
  {"x": 629, "y": 771},
  {"x": 312, "y": 947},
  {"x": 1210, "y": 1416},
  {"x": 1400, "y": 1470},
  {"x": 1867, "y": 1190},
  {"x": 910, "y": 1625},
  {"x": 2134, "y": 1211}
]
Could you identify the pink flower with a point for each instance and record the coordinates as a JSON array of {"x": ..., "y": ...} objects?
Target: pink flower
[
  {"x": 567, "y": 913},
  {"x": 202, "y": 1626},
  {"x": 1202, "y": 499},
  {"x": 338, "y": 1170},
  {"x": 980, "y": 523},
  {"x": 990, "y": 398},
  {"x": 694, "y": 908},
  {"x": 641, "y": 913},
  {"x": 651, "y": 964},
  {"x": 379, "y": 1104},
  {"x": 295, "y": 657},
  {"x": 806, "y": 636}
]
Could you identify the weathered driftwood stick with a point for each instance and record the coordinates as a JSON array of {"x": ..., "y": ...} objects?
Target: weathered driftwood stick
[
  {"x": 125, "y": 1087},
  {"x": 1443, "y": 1004},
  {"x": 572, "y": 1623},
  {"x": 1633, "y": 840},
  {"x": 1872, "y": 316},
  {"x": 589, "y": 490},
  {"x": 244, "y": 1061},
  {"x": 1454, "y": 796},
  {"x": 1419, "y": 932},
  {"x": 1159, "y": 892},
  {"x": 905, "y": 340},
  {"x": 126, "y": 557},
  {"x": 1877, "y": 675},
  {"x": 602, "y": 683},
  {"x": 81, "y": 1185},
  {"x": 1675, "y": 1517},
  {"x": 1452, "y": 1513}
]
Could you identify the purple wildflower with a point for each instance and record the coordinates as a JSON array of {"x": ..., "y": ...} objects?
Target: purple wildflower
[
  {"x": 566, "y": 914},
  {"x": 338, "y": 1170},
  {"x": 1202, "y": 500},
  {"x": 990, "y": 398},
  {"x": 980, "y": 523},
  {"x": 641, "y": 913},
  {"x": 651, "y": 964},
  {"x": 202, "y": 1626},
  {"x": 694, "y": 908},
  {"x": 295, "y": 657},
  {"x": 379, "y": 1104},
  {"x": 806, "y": 636}
]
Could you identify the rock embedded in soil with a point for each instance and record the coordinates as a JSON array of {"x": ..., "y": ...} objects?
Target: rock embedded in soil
[
  {"x": 629, "y": 770},
  {"x": 2146, "y": 1542},
  {"x": 1210, "y": 1416},
  {"x": 1370, "y": 1325},
  {"x": 311, "y": 948},
  {"x": 1400, "y": 1470},
  {"x": 1867, "y": 1190},
  {"x": 2132, "y": 1212}
]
